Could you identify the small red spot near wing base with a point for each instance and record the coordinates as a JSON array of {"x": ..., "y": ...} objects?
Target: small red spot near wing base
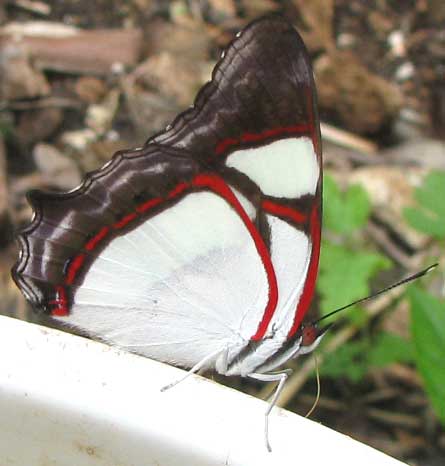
[{"x": 61, "y": 309}]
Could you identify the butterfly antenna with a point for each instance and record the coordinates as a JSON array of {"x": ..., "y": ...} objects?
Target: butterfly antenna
[
  {"x": 317, "y": 397},
  {"x": 384, "y": 290}
]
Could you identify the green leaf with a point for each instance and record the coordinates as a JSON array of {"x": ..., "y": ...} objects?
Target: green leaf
[
  {"x": 348, "y": 361},
  {"x": 431, "y": 193},
  {"x": 428, "y": 331},
  {"x": 425, "y": 222},
  {"x": 344, "y": 212},
  {"x": 344, "y": 275},
  {"x": 389, "y": 348},
  {"x": 353, "y": 359},
  {"x": 429, "y": 216}
]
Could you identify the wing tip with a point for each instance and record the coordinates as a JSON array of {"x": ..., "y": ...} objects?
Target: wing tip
[{"x": 262, "y": 21}]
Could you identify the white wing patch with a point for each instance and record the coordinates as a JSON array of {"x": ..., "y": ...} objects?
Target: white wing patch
[
  {"x": 180, "y": 286},
  {"x": 290, "y": 253},
  {"x": 285, "y": 168}
]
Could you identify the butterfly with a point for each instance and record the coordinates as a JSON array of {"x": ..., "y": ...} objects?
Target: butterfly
[{"x": 201, "y": 248}]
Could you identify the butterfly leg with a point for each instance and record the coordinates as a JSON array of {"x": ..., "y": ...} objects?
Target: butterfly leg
[
  {"x": 194, "y": 369},
  {"x": 281, "y": 378}
]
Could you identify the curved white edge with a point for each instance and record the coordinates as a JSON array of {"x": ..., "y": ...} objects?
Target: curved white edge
[{"x": 67, "y": 400}]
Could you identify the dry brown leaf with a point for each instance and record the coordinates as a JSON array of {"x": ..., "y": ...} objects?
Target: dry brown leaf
[{"x": 77, "y": 51}]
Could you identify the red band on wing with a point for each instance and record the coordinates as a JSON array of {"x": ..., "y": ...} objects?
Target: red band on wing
[
  {"x": 148, "y": 205},
  {"x": 74, "y": 267},
  {"x": 181, "y": 187},
  {"x": 96, "y": 239},
  {"x": 309, "y": 285},
  {"x": 125, "y": 221},
  {"x": 284, "y": 211},
  {"x": 218, "y": 185}
]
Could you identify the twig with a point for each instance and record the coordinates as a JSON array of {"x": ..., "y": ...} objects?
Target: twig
[
  {"x": 39, "y": 8},
  {"x": 76, "y": 51},
  {"x": 383, "y": 240},
  {"x": 346, "y": 139},
  {"x": 405, "y": 374},
  {"x": 395, "y": 419},
  {"x": 44, "y": 102},
  {"x": 49, "y": 29},
  {"x": 379, "y": 395},
  {"x": 335, "y": 155}
]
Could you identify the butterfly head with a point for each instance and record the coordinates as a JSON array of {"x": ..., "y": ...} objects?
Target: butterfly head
[{"x": 311, "y": 336}]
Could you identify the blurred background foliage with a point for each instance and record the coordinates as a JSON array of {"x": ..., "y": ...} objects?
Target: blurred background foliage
[
  {"x": 81, "y": 79},
  {"x": 346, "y": 271}
]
